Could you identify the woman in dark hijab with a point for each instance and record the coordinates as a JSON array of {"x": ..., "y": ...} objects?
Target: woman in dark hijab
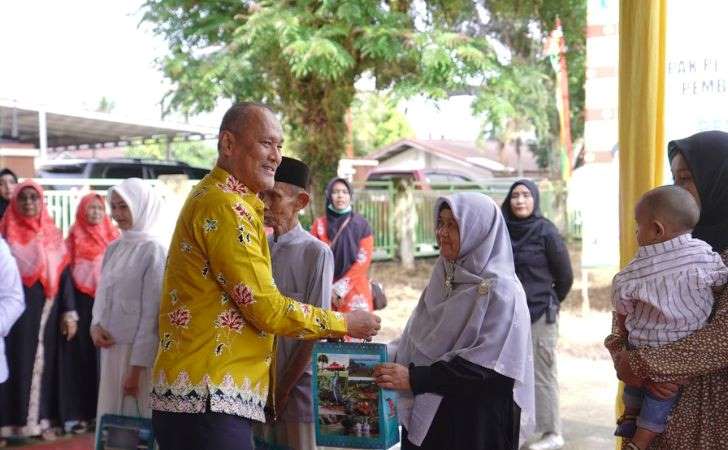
[
  {"x": 699, "y": 164},
  {"x": 544, "y": 268},
  {"x": 352, "y": 243},
  {"x": 8, "y": 181}
]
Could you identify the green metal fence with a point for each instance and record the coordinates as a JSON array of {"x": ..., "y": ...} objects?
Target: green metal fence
[{"x": 375, "y": 201}]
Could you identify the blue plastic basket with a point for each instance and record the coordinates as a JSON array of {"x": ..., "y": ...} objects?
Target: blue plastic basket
[{"x": 119, "y": 432}]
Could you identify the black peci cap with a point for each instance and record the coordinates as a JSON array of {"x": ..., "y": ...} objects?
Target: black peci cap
[{"x": 293, "y": 171}]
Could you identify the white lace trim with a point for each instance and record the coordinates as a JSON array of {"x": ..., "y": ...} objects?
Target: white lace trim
[
  {"x": 227, "y": 397},
  {"x": 33, "y": 426}
]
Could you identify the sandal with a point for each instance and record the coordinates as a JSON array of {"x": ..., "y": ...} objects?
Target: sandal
[
  {"x": 626, "y": 426},
  {"x": 49, "y": 435},
  {"x": 80, "y": 428}
]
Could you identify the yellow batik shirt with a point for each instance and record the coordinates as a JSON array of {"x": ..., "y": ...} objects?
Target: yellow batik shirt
[{"x": 220, "y": 307}]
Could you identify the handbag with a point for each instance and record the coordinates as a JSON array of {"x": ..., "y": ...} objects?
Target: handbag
[
  {"x": 120, "y": 432},
  {"x": 378, "y": 296}
]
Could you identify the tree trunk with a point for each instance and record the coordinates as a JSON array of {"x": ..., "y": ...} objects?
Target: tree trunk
[{"x": 318, "y": 124}]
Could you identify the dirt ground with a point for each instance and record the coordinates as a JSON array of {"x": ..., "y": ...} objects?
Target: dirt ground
[{"x": 586, "y": 377}]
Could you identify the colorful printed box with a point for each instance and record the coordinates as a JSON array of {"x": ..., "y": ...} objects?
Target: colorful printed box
[{"x": 351, "y": 411}]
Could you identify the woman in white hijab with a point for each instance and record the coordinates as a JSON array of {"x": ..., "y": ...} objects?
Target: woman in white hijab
[
  {"x": 463, "y": 365},
  {"x": 125, "y": 313}
]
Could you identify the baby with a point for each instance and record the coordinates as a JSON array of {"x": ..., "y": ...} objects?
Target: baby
[{"x": 663, "y": 295}]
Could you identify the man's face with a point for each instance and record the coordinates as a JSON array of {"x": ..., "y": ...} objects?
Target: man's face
[
  {"x": 282, "y": 204},
  {"x": 254, "y": 149}
]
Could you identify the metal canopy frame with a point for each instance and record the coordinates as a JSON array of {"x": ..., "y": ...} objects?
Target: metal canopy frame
[{"x": 58, "y": 130}]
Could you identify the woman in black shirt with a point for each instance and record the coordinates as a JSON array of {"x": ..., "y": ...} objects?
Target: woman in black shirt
[{"x": 544, "y": 268}]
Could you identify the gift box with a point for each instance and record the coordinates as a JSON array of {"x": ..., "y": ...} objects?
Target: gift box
[{"x": 350, "y": 410}]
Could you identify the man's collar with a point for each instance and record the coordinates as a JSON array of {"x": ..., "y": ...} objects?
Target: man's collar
[
  {"x": 288, "y": 235},
  {"x": 226, "y": 182}
]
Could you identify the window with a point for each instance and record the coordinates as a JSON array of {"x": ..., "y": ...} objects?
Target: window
[
  {"x": 65, "y": 169},
  {"x": 438, "y": 178},
  {"x": 123, "y": 171},
  {"x": 196, "y": 174},
  {"x": 167, "y": 170}
]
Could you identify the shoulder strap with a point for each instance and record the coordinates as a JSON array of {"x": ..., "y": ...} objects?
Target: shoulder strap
[{"x": 338, "y": 233}]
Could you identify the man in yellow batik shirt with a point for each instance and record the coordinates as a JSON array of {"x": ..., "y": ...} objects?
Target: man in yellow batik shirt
[{"x": 220, "y": 307}]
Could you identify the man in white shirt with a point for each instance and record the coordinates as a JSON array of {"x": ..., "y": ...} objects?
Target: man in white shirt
[
  {"x": 12, "y": 303},
  {"x": 303, "y": 269}
]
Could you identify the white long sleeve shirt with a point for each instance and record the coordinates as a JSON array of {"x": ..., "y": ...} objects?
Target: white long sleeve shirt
[
  {"x": 128, "y": 295},
  {"x": 12, "y": 303},
  {"x": 666, "y": 292}
]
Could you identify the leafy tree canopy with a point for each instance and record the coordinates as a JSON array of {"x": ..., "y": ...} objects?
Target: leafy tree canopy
[
  {"x": 303, "y": 57},
  {"x": 377, "y": 122},
  {"x": 194, "y": 153}
]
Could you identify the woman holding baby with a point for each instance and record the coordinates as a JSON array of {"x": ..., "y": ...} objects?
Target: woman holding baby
[{"x": 692, "y": 369}]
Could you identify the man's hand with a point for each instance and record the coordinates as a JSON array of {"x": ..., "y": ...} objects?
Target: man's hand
[
  {"x": 392, "y": 376},
  {"x": 101, "y": 337},
  {"x": 362, "y": 324},
  {"x": 130, "y": 385},
  {"x": 69, "y": 329}
]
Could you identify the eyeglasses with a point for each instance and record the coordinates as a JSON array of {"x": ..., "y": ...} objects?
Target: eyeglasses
[{"x": 28, "y": 198}]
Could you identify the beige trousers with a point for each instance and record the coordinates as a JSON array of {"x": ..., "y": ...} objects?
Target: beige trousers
[{"x": 545, "y": 337}]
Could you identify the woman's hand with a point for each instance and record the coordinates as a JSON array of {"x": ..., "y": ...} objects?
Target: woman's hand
[
  {"x": 336, "y": 301},
  {"x": 624, "y": 370},
  {"x": 131, "y": 381},
  {"x": 392, "y": 376},
  {"x": 69, "y": 328},
  {"x": 101, "y": 337}
]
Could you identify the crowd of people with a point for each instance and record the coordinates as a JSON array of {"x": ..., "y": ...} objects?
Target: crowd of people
[{"x": 209, "y": 330}]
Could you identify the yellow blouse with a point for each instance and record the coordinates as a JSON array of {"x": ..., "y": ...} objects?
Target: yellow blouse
[{"x": 220, "y": 307}]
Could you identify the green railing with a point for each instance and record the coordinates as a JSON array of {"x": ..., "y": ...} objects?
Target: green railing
[
  {"x": 376, "y": 204},
  {"x": 375, "y": 201}
]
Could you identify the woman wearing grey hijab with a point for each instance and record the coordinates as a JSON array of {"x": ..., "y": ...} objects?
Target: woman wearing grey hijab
[{"x": 463, "y": 366}]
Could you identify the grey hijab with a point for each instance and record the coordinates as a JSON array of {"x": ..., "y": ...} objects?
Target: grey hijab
[{"x": 484, "y": 319}]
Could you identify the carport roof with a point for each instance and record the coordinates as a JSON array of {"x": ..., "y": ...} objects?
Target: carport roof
[{"x": 67, "y": 130}]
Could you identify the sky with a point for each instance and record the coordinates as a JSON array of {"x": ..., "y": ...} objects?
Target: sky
[{"x": 68, "y": 54}]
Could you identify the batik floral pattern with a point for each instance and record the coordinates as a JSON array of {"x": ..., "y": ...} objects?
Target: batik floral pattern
[
  {"x": 209, "y": 225},
  {"x": 243, "y": 212},
  {"x": 243, "y": 235},
  {"x": 185, "y": 246},
  {"x": 180, "y": 317},
  {"x": 242, "y": 295},
  {"x": 232, "y": 185},
  {"x": 230, "y": 320}
]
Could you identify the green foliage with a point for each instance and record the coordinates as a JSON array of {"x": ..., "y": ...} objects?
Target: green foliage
[
  {"x": 106, "y": 105},
  {"x": 303, "y": 57},
  {"x": 511, "y": 102},
  {"x": 376, "y": 122},
  {"x": 194, "y": 153}
]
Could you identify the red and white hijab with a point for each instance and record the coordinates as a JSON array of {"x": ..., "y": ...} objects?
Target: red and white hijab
[
  {"x": 87, "y": 243},
  {"x": 36, "y": 243}
]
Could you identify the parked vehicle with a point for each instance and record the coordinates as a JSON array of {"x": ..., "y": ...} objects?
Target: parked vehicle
[
  {"x": 117, "y": 168},
  {"x": 423, "y": 178}
]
